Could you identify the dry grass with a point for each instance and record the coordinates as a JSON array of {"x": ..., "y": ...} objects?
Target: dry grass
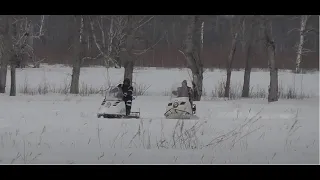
[
  {"x": 257, "y": 92},
  {"x": 193, "y": 136},
  {"x": 84, "y": 89},
  {"x": 303, "y": 71},
  {"x": 142, "y": 90}
]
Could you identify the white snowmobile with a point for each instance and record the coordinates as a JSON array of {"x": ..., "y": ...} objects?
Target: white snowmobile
[
  {"x": 113, "y": 106},
  {"x": 180, "y": 107}
]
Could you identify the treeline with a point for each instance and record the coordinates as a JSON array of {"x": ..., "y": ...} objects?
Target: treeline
[
  {"x": 194, "y": 41},
  {"x": 170, "y": 30}
]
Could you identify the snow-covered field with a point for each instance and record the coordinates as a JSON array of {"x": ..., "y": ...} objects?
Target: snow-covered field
[
  {"x": 57, "y": 128},
  {"x": 159, "y": 81}
]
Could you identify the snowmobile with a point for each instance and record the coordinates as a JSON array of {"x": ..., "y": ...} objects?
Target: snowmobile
[
  {"x": 113, "y": 106},
  {"x": 180, "y": 108}
]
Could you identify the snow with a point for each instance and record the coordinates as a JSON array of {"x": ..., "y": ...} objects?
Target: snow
[
  {"x": 60, "y": 129},
  {"x": 160, "y": 81}
]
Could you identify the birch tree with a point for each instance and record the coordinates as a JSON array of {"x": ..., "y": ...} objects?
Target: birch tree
[
  {"x": 303, "y": 30},
  {"x": 270, "y": 45},
  {"x": 236, "y": 22},
  {"x": 302, "y": 34}
]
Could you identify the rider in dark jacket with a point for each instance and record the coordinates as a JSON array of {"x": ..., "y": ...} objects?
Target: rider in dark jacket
[
  {"x": 184, "y": 91},
  {"x": 127, "y": 90}
]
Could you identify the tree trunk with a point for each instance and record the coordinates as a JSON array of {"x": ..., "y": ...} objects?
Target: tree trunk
[
  {"x": 197, "y": 86},
  {"x": 79, "y": 50},
  {"x": 126, "y": 53},
  {"x": 273, "y": 86},
  {"x": 74, "y": 87},
  {"x": 235, "y": 33},
  {"x": 128, "y": 70},
  {"x": 201, "y": 38},
  {"x": 304, "y": 19},
  {"x": 13, "y": 76},
  {"x": 249, "y": 56},
  {"x": 154, "y": 40},
  {"x": 6, "y": 54},
  {"x": 110, "y": 40},
  {"x": 197, "y": 76},
  {"x": 192, "y": 55},
  {"x": 229, "y": 64},
  {"x": 31, "y": 45},
  {"x": 247, "y": 73},
  {"x": 13, "y": 62},
  {"x": 3, "y": 76}
]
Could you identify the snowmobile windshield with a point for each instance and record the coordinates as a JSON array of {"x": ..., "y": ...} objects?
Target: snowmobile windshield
[{"x": 114, "y": 93}]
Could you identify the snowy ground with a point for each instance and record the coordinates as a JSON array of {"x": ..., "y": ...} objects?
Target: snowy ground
[
  {"x": 64, "y": 129},
  {"x": 160, "y": 81},
  {"x": 55, "y": 128}
]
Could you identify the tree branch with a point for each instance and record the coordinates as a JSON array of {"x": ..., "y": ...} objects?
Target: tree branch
[
  {"x": 316, "y": 31},
  {"x": 151, "y": 47},
  {"x": 102, "y": 32},
  {"x": 41, "y": 31},
  {"x": 107, "y": 57},
  {"x": 144, "y": 23},
  {"x": 294, "y": 29}
]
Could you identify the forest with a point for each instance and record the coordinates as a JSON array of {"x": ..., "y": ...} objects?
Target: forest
[{"x": 193, "y": 41}]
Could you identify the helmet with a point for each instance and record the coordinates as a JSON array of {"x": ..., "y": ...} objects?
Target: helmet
[
  {"x": 184, "y": 82},
  {"x": 188, "y": 83}
]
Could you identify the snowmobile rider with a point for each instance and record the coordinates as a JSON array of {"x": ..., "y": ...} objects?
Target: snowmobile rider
[
  {"x": 184, "y": 91},
  {"x": 127, "y": 90}
]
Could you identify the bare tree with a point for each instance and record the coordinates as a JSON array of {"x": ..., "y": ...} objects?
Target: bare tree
[
  {"x": 122, "y": 36},
  {"x": 128, "y": 50},
  {"x": 14, "y": 35},
  {"x": 236, "y": 22},
  {"x": 79, "y": 51},
  {"x": 56, "y": 41},
  {"x": 105, "y": 44},
  {"x": 192, "y": 55},
  {"x": 250, "y": 43},
  {"x": 22, "y": 40},
  {"x": 20, "y": 36},
  {"x": 266, "y": 26},
  {"x": 14, "y": 59},
  {"x": 35, "y": 35},
  {"x": 6, "y": 50}
]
